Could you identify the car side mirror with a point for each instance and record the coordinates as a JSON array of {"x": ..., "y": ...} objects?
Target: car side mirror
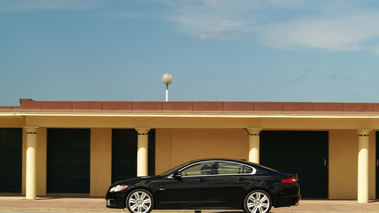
[{"x": 178, "y": 175}]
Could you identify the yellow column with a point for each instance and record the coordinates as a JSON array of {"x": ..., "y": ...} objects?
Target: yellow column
[
  {"x": 254, "y": 144},
  {"x": 142, "y": 152},
  {"x": 31, "y": 174},
  {"x": 363, "y": 177}
]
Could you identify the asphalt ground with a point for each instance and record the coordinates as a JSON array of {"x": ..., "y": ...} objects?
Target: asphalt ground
[{"x": 58, "y": 204}]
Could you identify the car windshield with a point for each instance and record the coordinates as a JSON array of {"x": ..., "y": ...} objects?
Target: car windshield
[{"x": 173, "y": 169}]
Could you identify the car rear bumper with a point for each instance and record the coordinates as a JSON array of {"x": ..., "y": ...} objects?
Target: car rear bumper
[{"x": 291, "y": 200}]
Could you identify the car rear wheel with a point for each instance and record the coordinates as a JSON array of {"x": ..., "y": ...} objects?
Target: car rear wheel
[
  {"x": 139, "y": 201},
  {"x": 257, "y": 201}
]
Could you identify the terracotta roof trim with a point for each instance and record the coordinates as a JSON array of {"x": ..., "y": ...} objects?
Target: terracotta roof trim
[{"x": 29, "y": 105}]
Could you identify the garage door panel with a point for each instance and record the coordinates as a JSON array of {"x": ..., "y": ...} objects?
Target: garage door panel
[
  {"x": 11, "y": 184},
  {"x": 299, "y": 152},
  {"x": 79, "y": 153},
  {"x": 79, "y": 168},
  {"x": 57, "y": 184},
  {"x": 10, "y": 159},
  {"x": 124, "y": 153},
  {"x": 78, "y": 183},
  {"x": 68, "y": 160},
  {"x": 58, "y": 168}
]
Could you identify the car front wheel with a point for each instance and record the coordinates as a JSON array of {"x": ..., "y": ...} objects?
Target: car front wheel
[
  {"x": 257, "y": 201},
  {"x": 139, "y": 201}
]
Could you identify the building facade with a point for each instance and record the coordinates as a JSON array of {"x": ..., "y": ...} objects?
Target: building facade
[{"x": 81, "y": 147}]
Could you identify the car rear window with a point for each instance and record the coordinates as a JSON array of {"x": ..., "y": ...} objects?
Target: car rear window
[{"x": 231, "y": 168}]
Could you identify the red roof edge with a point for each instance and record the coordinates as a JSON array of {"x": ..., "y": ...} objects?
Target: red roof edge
[{"x": 192, "y": 106}]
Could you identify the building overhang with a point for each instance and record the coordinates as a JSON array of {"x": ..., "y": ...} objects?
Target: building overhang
[
  {"x": 173, "y": 120},
  {"x": 267, "y": 115}
]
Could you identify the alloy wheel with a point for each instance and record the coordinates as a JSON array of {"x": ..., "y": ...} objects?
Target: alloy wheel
[
  {"x": 140, "y": 201},
  {"x": 258, "y": 202}
]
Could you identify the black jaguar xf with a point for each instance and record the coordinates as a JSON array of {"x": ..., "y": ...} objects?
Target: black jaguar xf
[{"x": 207, "y": 184}]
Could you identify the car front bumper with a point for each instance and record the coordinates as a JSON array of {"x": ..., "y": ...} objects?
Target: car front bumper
[{"x": 115, "y": 200}]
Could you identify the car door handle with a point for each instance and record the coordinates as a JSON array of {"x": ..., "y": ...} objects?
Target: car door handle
[
  {"x": 242, "y": 179},
  {"x": 203, "y": 179}
]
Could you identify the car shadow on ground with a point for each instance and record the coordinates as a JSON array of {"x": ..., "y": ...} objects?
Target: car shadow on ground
[{"x": 223, "y": 211}]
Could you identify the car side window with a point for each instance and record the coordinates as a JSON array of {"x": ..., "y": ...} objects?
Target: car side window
[
  {"x": 233, "y": 168},
  {"x": 247, "y": 170},
  {"x": 204, "y": 168}
]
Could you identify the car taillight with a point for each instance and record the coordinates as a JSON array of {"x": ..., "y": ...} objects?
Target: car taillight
[{"x": 290, "y": 180}]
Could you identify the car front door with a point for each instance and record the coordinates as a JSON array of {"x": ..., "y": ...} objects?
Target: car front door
[
  {"x": 189, "y": 188},
  {"x": 230, "y": 184}
]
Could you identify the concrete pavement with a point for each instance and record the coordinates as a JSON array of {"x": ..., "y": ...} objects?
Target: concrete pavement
[{"x": 87, "y": 204}]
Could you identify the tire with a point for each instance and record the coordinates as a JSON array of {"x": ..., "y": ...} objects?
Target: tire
[
  {"x": 139, "y": 201},
  {"x": 257, "y": 201}
]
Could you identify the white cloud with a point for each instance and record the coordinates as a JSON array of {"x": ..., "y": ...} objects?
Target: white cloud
[
  {"x": 291, "y": 24},
  {"x": 216, "y": 34},
  {"x": 332, "y": 33},
  {"x": 333, "y": 25},
  {"x": 207, "y": 27},
  {"x": 209, "y": 19}
]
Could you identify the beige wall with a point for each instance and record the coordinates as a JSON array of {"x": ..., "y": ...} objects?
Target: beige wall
[
  {"x": 41, "y": 161},
  {"x": 101, "y": 161},
  {"x": 343, "y": 162},
  {"x": 176, "y": 146},
  {"x": 343, "y": 159}
]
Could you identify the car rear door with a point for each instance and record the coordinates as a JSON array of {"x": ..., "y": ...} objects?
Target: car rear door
[{"x": 230, "y": 184}]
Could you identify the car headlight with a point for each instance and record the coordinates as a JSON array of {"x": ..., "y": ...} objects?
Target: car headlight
[{"x": 118, "y": 188}]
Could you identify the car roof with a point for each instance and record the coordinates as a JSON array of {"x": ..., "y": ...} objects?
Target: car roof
[
  {"x": 243, "y": 161},
  {"x": 223, "y": 159}
]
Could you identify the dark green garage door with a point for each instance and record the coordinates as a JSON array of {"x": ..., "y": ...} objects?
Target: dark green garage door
[
  {"x": 10, "y": 160},
  {"x": 304, "y": 153},
  {"x": 124, "y": 153},
  {"x": 68, "y": 160}
]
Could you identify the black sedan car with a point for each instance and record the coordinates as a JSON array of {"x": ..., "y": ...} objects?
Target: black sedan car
[{"x": 207, "y": 184}]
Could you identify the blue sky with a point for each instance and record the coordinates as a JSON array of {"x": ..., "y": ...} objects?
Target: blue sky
[{"x": 216, "y": 50}]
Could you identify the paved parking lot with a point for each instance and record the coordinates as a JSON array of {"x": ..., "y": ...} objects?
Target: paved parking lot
[{"x": 84, "y": 204}]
